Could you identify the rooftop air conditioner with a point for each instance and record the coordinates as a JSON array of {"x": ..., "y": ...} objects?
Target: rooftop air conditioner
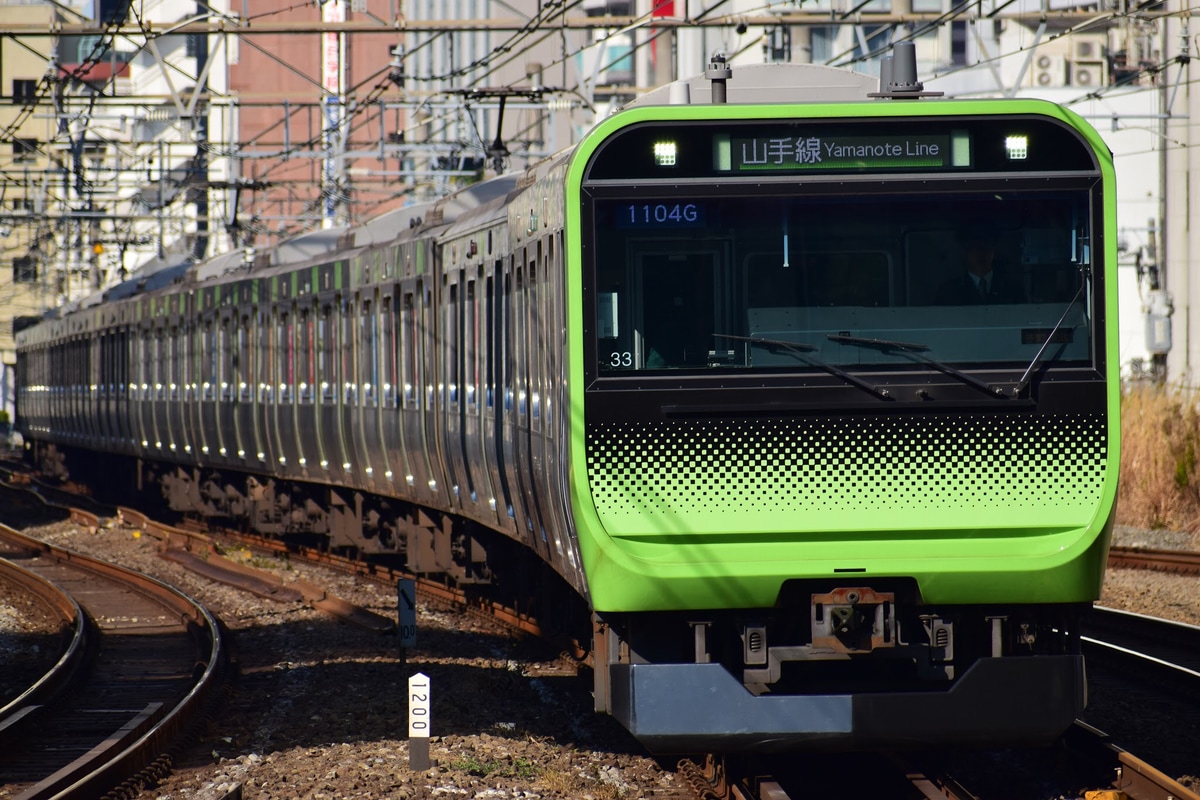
[
  {"x": 1049, "y": 69},
  {"x": 1088, "y": 74},
  {"x": 1088, "y": 47}
]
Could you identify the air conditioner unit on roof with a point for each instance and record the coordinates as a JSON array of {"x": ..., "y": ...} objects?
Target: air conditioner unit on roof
[
  {"x": 1088, "y": 47},
  {"x": 1086, "y": 74},
  {"x": 1048, "y": 69}
]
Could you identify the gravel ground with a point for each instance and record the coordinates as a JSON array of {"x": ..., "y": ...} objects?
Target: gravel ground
[
  {"x": 319, "y": 709},
  {"x": 30, "y": 641},
  {"x": 1175, "y": 597}
]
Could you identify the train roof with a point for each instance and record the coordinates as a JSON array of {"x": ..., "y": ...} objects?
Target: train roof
[
  {"x": 767, "y": 83},
  {"x": 442, "y": 211},
  {"x": 307, "y": 246},
  {"x": 220, "y": 265},
  {"x": 152, "y": 275}
]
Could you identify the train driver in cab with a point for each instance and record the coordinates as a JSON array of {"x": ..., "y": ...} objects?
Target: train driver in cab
[{"x": 979, "y": 281}]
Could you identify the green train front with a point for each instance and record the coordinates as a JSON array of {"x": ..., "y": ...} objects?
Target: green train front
[{"x": 826, "y": 497}]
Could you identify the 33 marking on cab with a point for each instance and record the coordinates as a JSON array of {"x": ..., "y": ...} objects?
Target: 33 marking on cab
[{"x": 623, "y": 358}]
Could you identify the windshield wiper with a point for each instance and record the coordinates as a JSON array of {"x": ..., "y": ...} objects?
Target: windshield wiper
[
  {"x": 1028, "y": 376},
  {"x": 802, "y": 351},
  {"x": 917, "y": 353}
]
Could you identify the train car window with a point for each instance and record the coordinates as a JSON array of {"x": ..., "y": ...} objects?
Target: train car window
[
  {"x": 194, "y": 356},
  {"x": 243, "y": 368},
  {"x": 763, "y": 281},
  {"x": 124, "y": 366},
  {"x": 508, "y": 360},
  {"x": 285, "y": 356},
  {"x": 139, "y": 366},
  {"x": 408, "y": 348},
  {"x": 263, "y": 357},
  {"x": 489, "y": 324},
  {"x": 520, "y": 345},
  {"x": 350, "y": 351},
  {"x": 102, "y": 343},
  {"x": 182, "y": 351},
  {"x": 208, "y": 360},
  {"x": 452, "y": 336},
  {"x": 426, "y": 344},
  {"x": 227, "y": 334},
  {"x": 325, "y": 349},
  {"x": 369, "y": 355},
  {"x": 471, "y": 346},
  {"x": 175, "y": 361},
  {"x": 534, "y": 344},
  {"x": 160, "y": 365},
  {"x": 149, "y": 365},
  {"x": 388, "y": 311},
  {"x": 74, "y": 362},
  {"x": 116, "y": 374},
  {"x": 305, "y": 359}
]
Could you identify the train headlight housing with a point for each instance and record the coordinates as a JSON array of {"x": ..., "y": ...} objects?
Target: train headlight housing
[
  {"x": 1016, "y": 148},
  {"x": 665, "y": 154}
]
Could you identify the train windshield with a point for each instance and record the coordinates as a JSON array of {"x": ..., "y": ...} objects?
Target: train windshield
[{"x": 770, "y": 283}]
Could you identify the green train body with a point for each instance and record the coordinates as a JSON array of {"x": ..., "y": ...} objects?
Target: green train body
[
  {"x": 978, "y": 506},
  {"x": 719, "y": 366},
  {"x": 877, "y": 520}
]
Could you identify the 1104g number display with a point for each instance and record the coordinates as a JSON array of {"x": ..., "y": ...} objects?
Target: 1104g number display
[{"x": 660, "y": 215}]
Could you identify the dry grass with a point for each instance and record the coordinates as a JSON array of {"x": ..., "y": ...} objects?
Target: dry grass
[{"x": 1160, "y": 446}]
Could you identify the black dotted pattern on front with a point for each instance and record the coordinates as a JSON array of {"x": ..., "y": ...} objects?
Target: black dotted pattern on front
[{"x": 869, "y": 464}]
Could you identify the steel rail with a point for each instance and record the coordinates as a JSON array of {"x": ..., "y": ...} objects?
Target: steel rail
[
  {"x": 428, "y": 588},
  {"x": 198, "y": 552},
  {"x": 73, "y": 654},
  {"x": 1183, "y": 562},
  {"x": 1135, "y": 778},
  {"x": 1167, "y": 651},
  {"x": 136, "y": 745}
]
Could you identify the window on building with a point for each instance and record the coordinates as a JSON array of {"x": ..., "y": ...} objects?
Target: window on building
[
  {"x": 24, "y": 90},
  {"x": 24, "y": 270},
  {"x": 24, "y": 149},
  {"x": 777, "y": 44},
  {"x": 822, "y": 38}
]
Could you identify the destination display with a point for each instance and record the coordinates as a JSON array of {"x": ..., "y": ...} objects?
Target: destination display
[
  {"x": 778, "y": 148},
  {"x": 803, "y": 153}
]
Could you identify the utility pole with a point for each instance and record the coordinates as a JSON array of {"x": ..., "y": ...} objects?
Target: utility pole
[
  {"x": 1181, "y": 173},
  {"x": 200, "y": 132},
  {"x": 333, "y": 81}
]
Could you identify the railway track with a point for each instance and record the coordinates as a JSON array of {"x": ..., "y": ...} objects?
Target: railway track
[
  {"x": 1154, "y": 652},
  {"x": 143, "y": 662},
  {"x": 1159, "y": 650},
  {"x": 1087, "y": 757},
  {"x": 196, "y": 538},
  {"x": 830, "y": 775},
  {"x": 1180, "y": 562},
  {"x": 57, "y": 657}
]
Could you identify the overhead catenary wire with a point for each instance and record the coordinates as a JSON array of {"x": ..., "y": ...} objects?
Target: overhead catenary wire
[{"x": 357, "y": 111}]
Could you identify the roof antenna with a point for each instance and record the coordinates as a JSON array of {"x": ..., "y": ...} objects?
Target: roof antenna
[
  {"x": 898, "y": 75},
  {"x": 718, "y": 72}
]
